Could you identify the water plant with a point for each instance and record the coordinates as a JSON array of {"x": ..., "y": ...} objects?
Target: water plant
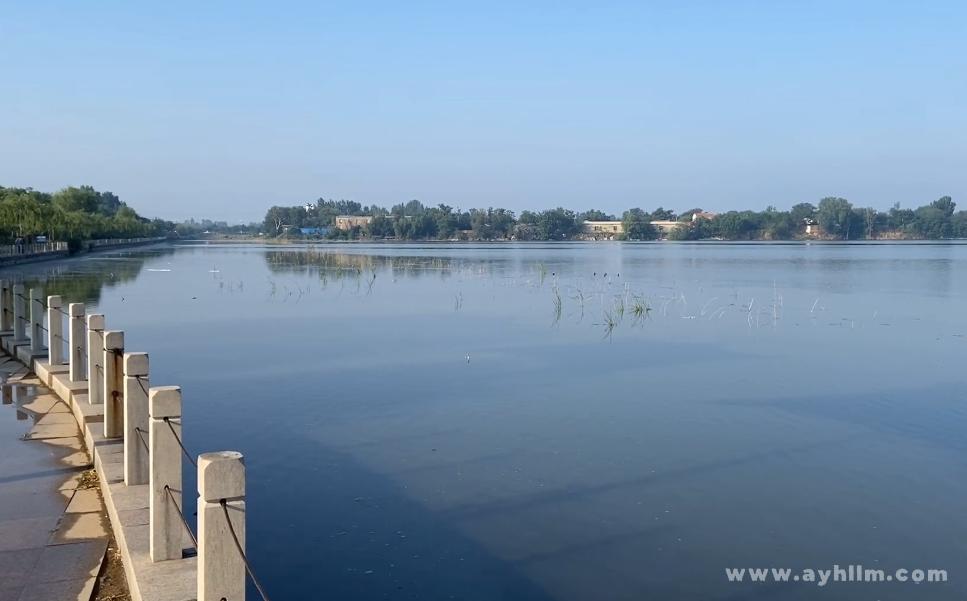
[
  {"x": 558, "y": 304},
  {"x": 580, "y": 298},
  {"x": 610, "y": 323},
  {"x": 639, "y": 309},
  {"x": 619, "y": 308}
]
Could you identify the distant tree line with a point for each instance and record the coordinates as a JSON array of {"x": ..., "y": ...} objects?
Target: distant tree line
[
  {"x": 836, "y": 219},
  {"x": 832, "y": 218},
  {"x": 72, "y": 215}
]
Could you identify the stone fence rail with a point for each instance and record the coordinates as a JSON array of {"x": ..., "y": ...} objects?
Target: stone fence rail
[
  {"x": 108, "y": 242},
  {"x": 34, "y": 248},
  {"x": 134, "y": 433}
]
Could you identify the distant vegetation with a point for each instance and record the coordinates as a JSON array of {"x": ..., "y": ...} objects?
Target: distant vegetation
[
  {"x": 72, "y": 215},
  {"x": 78, "y": 214},
  {"x": 83, "y": 213},
  {"x": 831, "y": 218}
]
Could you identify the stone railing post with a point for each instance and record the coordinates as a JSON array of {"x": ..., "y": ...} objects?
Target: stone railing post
[
  {"x": 165, "y": 527},
  {"x": 19, "y": 313},
  {"x": 36, "y": 321},
  {"x": 95, "y": 358},
  {"x": 6, "y": 306},
  {"x": 77, "y": 339},
  {"x": 221, "y": 487},
  {"x": 113, "y": 388},
  {"x": 55, "y": 331},
  {"x": 135, "y": 418}
]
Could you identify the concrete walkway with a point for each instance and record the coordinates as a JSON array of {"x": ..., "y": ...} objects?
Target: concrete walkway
[{"x": 53, "y": 525}]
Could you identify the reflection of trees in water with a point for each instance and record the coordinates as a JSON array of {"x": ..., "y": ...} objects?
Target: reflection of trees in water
[
  {"x": 336, "y": 265},
  {"x": 84, "y": 281}
]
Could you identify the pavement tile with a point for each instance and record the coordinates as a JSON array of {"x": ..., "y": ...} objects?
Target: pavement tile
[
  {"x": 10, "y": 593},
  {"x": 75, "y": 527},
  {"x": 26, "y": 533},
  {"x": 64, "y": 590},
  {"x": 15, "y": 566},
  {"x": 69, "y": 562},
  {"x": 86, "y": 501}
]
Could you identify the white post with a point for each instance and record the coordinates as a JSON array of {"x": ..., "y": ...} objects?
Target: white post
[
  {"x": 221, "y": 488},
  {"x": 77, "y": 339},
  {"x": 164, "y": 424},
  {"x": 135, "y": 418},
  {"x": 95, "y": 356},
  {"x": 19, "y": 314},
  {"x": 6, "y": 306},
  {"x": 55, "y": 331},
  {"x": 113, "y": 387},
  {"x": 36, "y": 321}
]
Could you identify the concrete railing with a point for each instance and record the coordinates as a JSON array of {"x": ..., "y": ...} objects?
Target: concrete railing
[
  {"x": 108, "y": 242},
  {"x": 148, "y": 420},
  {"x": 35, "y": 248}
]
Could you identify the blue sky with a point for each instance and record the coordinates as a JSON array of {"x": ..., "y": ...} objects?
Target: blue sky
[{"x": 221, "y": 109}]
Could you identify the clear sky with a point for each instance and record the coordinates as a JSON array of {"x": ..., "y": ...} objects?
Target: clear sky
[{"x": 221, "y": 109}]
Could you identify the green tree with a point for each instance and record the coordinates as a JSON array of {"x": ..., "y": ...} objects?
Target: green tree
[
  {"x": 801, "y": 212},
  {"x": 84, "y": 199},
  {"x": 637, "y": 225},
  {"x": 595, "y": 215},
  {"x": 835, "y": 217},
  {"x": 557, "y": 224},
  {"x": 661, "y": 214}
]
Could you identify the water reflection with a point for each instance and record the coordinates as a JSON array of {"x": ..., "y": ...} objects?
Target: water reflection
[
  {"x": 436, "y": 421},
  {"x": 86, "y": 279},
  {"x": 330, "y": 265}
]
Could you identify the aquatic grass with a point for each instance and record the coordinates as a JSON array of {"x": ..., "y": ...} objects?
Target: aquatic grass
[
  {"x": 558, "y": 305},
  {"x": 619, "y": 308},
  {"x": 640, "y": 309},
  {"x": 610, "y": 323},
  {"x": 580, "y": 298}
]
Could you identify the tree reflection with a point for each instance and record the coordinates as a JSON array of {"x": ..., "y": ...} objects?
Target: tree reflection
[
  {"x": 85, "y": 281},
  {"x": 339, "y": 265}
]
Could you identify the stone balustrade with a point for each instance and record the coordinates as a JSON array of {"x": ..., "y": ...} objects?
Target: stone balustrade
[{"x": 134, "y": 434}]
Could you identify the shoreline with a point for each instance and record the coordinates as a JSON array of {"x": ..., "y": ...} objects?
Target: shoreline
[{"x": 804, "y": 242}]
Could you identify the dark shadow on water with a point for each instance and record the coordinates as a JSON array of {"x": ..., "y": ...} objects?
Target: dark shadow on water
[
  {"x": 933, "y": 415},
  {"x": 349, "y": 533},
  {"x": 664, "y": 477}
]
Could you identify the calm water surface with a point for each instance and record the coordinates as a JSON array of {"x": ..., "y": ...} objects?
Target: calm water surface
[{"x": 566, "y": 422}]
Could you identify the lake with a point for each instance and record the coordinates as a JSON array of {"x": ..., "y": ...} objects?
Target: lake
[{"x": 562, "y": 421}]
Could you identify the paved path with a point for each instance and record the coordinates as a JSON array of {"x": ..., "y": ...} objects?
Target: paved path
[{"x": 53, "y": 528}]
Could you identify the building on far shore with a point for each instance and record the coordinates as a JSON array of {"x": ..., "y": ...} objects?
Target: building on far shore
[
  {"x": 348, "y": 222},
  {"x": 664, "y": 226},
  {"x": 612, "y": 230},
  {"x": 812, "y": 227},
  {"x": 602, "y": 230}
]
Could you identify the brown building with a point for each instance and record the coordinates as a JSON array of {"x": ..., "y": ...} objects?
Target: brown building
[
  {"x": 348, "y": 222},
  {"x": 602, "y": 229}
]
